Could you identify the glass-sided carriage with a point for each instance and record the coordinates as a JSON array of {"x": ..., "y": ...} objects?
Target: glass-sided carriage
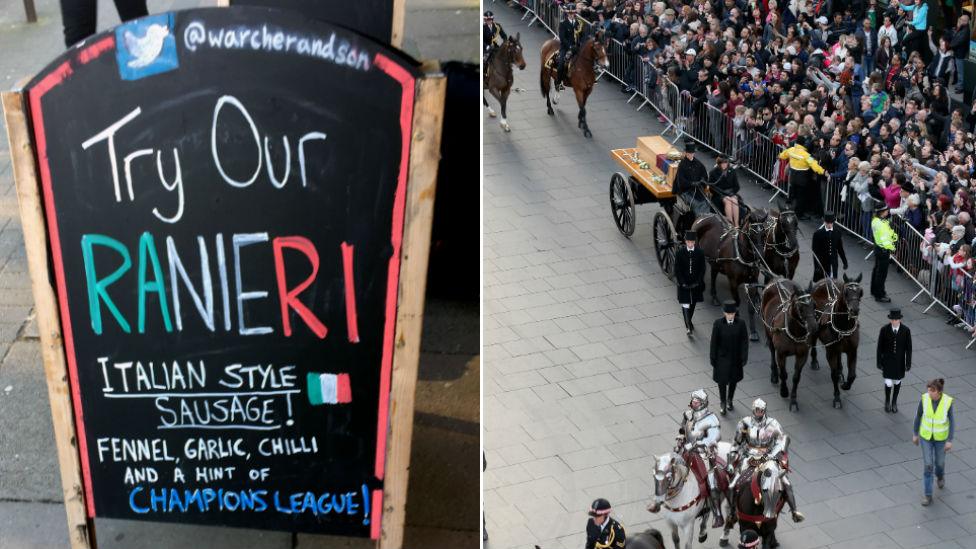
[{"x": 650, "y": 171}]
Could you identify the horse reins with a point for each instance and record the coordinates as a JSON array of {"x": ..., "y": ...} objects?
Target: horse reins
[
  {"x": 674, "y": 490},
  {"x": 771, "y": 226}
]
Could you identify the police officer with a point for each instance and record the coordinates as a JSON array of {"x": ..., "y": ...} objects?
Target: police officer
[
  {"x": 689, "y": 269},
  {"x": 729, "y": 353},
  {"x": 749, "y": 539},
  {"x": 690, "y": 172},
  {"x": 894, "y": 357},
  {"x": 884, "y": 244},
  {"x": 492, "y": 35},
  {"x": 602, "y": 530},
  {"x": 570, "y": 37},
  {"x": 827, "y": 246},
  {"x": 803, "y": 192}
]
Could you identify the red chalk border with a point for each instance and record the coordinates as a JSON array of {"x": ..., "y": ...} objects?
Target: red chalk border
[{"x": 380, "y": 61}]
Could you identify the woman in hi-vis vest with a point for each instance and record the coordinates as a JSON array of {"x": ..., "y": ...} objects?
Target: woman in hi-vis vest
[{"x": 933, "y": 426}]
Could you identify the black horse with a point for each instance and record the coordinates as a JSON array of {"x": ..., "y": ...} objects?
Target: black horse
[{"x": 837, "y": 313}]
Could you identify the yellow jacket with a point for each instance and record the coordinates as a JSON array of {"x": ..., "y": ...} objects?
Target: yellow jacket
[
  {"x": 884, "y": 236},
  {"x": 800, "y": 159}
]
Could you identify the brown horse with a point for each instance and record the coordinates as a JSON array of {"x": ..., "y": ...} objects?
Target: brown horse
[
  {"x": 730, "y": 252},
  {"x": 837, "y": 309},
  {"x": 582, "y": 75},
  {"x": 498, "y": 75},
  {"x": 759, "y": 500},
  {"x": 780, "y": 248},
  {"x": 790, "y": 321}
]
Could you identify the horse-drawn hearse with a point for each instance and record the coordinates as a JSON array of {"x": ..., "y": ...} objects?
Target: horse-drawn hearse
[{"x": 765, "y": 242}]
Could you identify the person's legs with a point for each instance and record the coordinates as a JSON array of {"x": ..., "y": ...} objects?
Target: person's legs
[
  {"x": 887, "y": 384},
  {"x": 960, "y": 76},
  {"x": 731, "y": 395},
  {"x": 883, "y": 258},
  {"x": 928, "y": 459},
  {"x": 894, "y": 396},
  {"x": 938, "y": 453},
  {"x": 78, "y": 19},
  {"x": 722, "y": 394},
  {"x": 131, "y": 9}
]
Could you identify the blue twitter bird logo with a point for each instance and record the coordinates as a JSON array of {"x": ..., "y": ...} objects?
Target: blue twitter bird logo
[{"x": 146, "y": 47}]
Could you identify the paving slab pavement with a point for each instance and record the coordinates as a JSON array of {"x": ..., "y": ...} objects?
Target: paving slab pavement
[{"x": 587, "y": 366}]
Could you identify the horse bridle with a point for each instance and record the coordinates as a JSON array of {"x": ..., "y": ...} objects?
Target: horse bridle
[
  {"x": 786, "y": 304},
  {"x": 771, "y": 225},
  {"x": 833, "y": 297},
  {"x": 674, "y": 489}
]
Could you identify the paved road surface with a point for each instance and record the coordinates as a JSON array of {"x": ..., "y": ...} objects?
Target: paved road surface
[{"x": 587, "y": 363}]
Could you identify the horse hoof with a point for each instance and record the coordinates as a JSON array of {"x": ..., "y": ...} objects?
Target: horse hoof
[
  {"x": 587, "y": 134},
  {"x": 794, "y": 407},
  {"x": 492, "y": 113},
  {"x": 506, "y": 127},
  {"x": 774, "y": 379},
  {"x": 783, "y": 392},
  {"x": 815, "y": 366},
  {"x": 837, "y": 404},
  {"x": 845, "y": 386},
  {"x": 551, "y": 112},
  {"x": 715, "y": 302},
  {"x": 703, "y": 537},
  {"x": 723, "y": 542},
  {"x": 754, "y": 337}
]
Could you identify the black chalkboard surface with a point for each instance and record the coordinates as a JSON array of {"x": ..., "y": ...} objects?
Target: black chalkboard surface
[
  {"x": 374, "y": 18},
  {"x": 224, "y": 195}
]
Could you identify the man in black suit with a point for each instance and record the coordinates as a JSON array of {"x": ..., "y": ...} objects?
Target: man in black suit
[
  {"x": 691, "y": 172},
  {"x": 729, "y": 353},
  {"x": 571, "y": 31},
  {"x": 827, "y": 246},
  {"x": 894, "y": 357},
  {"x": 689, "y": 270}
]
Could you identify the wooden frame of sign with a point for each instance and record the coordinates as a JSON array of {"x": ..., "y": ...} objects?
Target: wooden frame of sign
[
  {"x": 398, "y": 9},
  {"x": 425, "y": 136}
]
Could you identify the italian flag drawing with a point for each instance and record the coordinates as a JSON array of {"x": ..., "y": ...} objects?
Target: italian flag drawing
[{"x": 328, "y": 389}]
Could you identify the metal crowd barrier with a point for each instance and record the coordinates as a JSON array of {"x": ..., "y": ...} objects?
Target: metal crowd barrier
[{"x": 758, "y": 154}]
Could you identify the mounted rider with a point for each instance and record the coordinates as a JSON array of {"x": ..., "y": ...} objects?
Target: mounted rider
[
  {"x": 571, "y": 30},
  {"x": 493, "y": 35},
  {"x": 759, "y": 437},
  {"x": 702, "y": 431}
]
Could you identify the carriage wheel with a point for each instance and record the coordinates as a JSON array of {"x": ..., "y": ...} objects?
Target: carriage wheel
[
  {"x": 622, "y": 204},
  {"x": 665, "y": 242}
]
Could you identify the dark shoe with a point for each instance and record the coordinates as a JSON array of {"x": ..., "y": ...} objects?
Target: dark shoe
[
  {"x": 883, "y": 299},
  {"x": 722, "y": 409},
  {"x": 887, "y": 408},
  {"x": 951, "y": 321},
  {"x": 940, "y": 482},
  {"x": 894, "y": 407},
  {"x": 926, "y": 501},
  {"x": 731, "y": 406}
]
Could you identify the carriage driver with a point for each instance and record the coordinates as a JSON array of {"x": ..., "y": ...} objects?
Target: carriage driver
[
  {"x": 691, "y": 172},
  {"x": 570, "y": 38},
  {"x": 702, "y": 431},
  {"x": 759, "y": 435},
  {"x": 492, "y": 36}
]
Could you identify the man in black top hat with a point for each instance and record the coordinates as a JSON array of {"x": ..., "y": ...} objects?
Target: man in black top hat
[
  {"x": 827, "y": 246},
  {"x": 729, "y": 353},
  {"x": 690, "y": 173},
  {"x": 689, "y": 270},
  {"x": 894, "y": 357},
  {"x": 602, "y": 530},
  {"x": 492, "y": 34}
]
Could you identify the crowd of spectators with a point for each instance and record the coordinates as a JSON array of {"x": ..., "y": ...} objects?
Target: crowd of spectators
[{"x": 865, "y": 84}]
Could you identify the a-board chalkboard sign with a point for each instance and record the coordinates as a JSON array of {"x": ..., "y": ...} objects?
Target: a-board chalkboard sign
[
  {"x": 381, "y": 20},
  {"x": 225, "y": 194}
]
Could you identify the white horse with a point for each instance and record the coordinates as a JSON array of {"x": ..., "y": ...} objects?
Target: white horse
[{"x": 681, "y": 502}]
